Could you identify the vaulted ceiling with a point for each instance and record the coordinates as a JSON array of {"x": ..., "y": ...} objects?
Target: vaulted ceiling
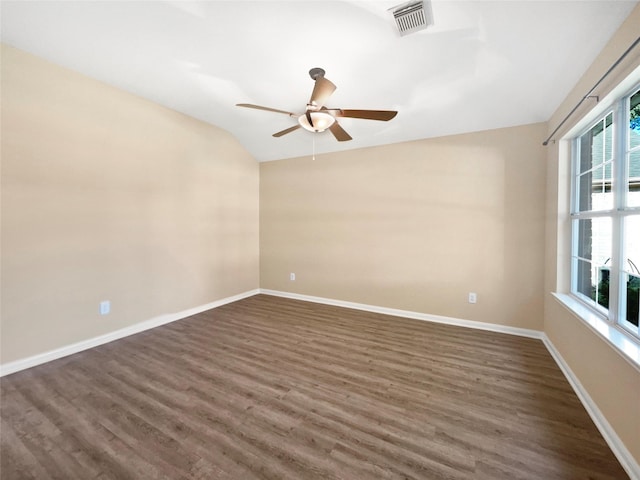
[{"x": 482, "y": 65}]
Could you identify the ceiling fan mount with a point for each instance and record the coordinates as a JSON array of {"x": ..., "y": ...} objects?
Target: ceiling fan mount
[
  {"x": 317, "y": 117},
  {"x": 316, "y": 72}
]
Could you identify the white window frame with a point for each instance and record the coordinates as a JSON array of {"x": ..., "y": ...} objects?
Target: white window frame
[{"x": 614, "y": 316}]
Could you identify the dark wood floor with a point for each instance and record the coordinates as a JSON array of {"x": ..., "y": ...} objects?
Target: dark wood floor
[{"x": 275, "y": 388}]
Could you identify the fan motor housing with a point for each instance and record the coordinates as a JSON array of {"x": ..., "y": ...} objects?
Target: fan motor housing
[{"x": 316, "y": 72}]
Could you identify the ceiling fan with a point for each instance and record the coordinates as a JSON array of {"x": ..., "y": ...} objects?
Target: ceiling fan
[{"x": 317, "y": 117}]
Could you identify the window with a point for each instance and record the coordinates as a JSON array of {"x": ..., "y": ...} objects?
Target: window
[{"x": 605, "y": 212}]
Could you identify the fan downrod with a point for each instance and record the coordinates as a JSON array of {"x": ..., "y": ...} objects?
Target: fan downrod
[{"x": 314, "y": 73}]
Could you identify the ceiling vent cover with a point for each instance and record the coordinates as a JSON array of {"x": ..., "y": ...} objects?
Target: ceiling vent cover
[{"x": 413, "y": 16}]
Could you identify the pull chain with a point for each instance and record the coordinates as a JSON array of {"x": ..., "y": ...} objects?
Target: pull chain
[{"x": 314, "y": 147}]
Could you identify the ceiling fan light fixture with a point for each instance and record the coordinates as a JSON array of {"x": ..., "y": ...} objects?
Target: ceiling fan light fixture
[
  {"x": 321, "y": 121},
  {"x": 317, "y": 118}
]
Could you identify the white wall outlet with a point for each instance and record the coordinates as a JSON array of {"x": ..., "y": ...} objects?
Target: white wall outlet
[
  {"x": 292, "y": 277},
  {"x": 473, "y": 297},
  {"x": 105, "y": 307}
]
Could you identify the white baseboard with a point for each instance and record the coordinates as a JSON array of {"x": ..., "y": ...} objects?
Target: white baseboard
[
  {"x": 521, "y": 332},
  {"x": 41, "y": 358},
  {"x": 608, "y": 433}
]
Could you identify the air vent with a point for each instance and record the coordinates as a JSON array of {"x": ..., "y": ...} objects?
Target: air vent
[{"x": 412, "y": 17}]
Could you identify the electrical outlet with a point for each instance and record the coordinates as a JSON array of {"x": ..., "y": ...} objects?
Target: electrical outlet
[
  {"x": 473, "y": 297},
  {"x": 292, "y": 277},
  {"x": 105, "y": 307}
]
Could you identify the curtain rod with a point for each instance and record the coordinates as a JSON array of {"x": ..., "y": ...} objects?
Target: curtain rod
[{"x": 588, "y": 95}]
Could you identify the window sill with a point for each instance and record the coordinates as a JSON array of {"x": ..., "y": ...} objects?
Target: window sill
[{"x": 622, "y": 343}]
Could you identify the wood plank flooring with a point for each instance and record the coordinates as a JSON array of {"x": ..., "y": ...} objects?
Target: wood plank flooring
[{"x": 271, "y": 388}]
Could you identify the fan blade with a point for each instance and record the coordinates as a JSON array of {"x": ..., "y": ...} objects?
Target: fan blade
[
  {"x": 339, "y": 132},
  {"x": 322, "y": 90},
  {"x": 286, "y": 130},
  {"x": 268, "y": 109},
  {"x": 382, "y": 115}
]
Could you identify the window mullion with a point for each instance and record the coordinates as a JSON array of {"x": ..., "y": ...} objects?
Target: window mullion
[
  {"x": 594, "y": 214},
  {"x": 616, "y": 300}
]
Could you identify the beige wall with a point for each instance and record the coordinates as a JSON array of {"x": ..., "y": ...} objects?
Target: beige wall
[
  {"x": 106, "y": 196},
  {"x": 413, "y": 226},
  {"x": 612, "y": 383}
]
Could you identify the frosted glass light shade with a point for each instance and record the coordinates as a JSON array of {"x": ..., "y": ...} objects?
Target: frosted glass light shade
[{"x": 321, "y": 121}]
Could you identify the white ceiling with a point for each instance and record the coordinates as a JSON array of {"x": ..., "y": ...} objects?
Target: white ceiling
[{"x": 483, "y": 65}]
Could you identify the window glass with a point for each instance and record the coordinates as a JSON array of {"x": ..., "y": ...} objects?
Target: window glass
[
  {"x": 595, "y": 167},
  {"x": 632, "y": 268},
  {"x": 633, "y": 165},
  {"x": 633, "y": 188},
  {"x": 632, "y": 302},
  {"x": 634, "y": 120},
  {"x": 583, "y": 279},
  {"x": 594, "y": 259}
]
